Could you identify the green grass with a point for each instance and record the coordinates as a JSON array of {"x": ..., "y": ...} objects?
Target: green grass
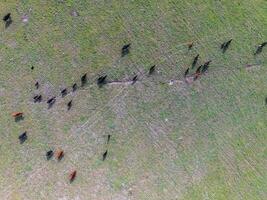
[{"x": 206, "y": 140}]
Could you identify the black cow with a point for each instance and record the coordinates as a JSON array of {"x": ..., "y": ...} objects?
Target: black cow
[
  {"x": 37, "y": 98},
  {"x": 51, "y": 101},
  {"x": 125, "y": 49},
  {"x": 84, "y": 79},
  {"x": 32, "y": 68},
  {"x": 101, "y": 81},
  {"x": 199, "y": 69},
  {"x": 260, "y": 47},
  {"x": 69, "y": 104},
  {"x": 23, "y": 137},
  {"x": 195, "y": 61},
  {"x": 7, "y": 17},
  {"x": 134, "y": 79},
  {"x": 74, "y": 87},
  {"x": 225, "y": 45},
  {"x": 105, "y": 155},
  {"x": 109, "y": 136},
  {"x": 49, "y": 154},
  {"x": 186, "y": 73},
  {"x": 152, "y": 70},
  {"x": 64, "y": 92},
  {"x": 36, "y": 84}
]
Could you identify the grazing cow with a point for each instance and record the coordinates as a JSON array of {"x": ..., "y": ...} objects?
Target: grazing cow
[
  {"x": 101, "y": 81},
  {"x": 64, "y": 92},
  {"x": 37, "y": 98},
  {"x": 49, "y": 154},
  {"x": 23, "y": 137},
  {"x": 105, "y": 155},
  {"x": 69, "y": 104},
  {"x": 36, "y": 84},
  {"x": 199, "y": 69},
  {"x": 195, "y": 61},
  {"x": 125, "y": 49},
  {"x": 84, "y": 79},
  {"x": 109, "y": 136},
  {"x": 186, "y": 73},
  {"x": 225, "y": 45},
  {"x": 59, "y": 155},
  {"x": 32, "y": 68},
  {"x": 152, "y": 70},
  {"x": 134, "y": 79},
  {"x": 190, "y": 45},
  {"x": 7, "y": 17},
  {"x": 260, "y": 47},
  {"x": 18, "y": 116},
  {"x": 72, "y": 176},
  {"x": 74, "y": 87},
  {"x": 205, "y": 68},
  {"x": 51, "y": 101}
]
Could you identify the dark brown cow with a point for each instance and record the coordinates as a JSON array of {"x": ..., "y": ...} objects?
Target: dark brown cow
[
  {"x": 105, "y": 155},
  {"x": 190, "y": 45},
  {"x": 72, "y": 176}
]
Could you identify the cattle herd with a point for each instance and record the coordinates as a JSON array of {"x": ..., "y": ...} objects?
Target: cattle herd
[{"x": 102, "y": 80}]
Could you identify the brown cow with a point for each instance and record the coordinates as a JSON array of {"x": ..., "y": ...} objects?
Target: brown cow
[
  {"x": 72, "y": 176},
  {"x": 59, "y": 155}
]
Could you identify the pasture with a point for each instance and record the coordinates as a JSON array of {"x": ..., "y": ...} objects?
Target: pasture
[{"x": 203, "y": 140}]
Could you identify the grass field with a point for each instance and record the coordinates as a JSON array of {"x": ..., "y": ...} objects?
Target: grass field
[{"x": 205, "y": 140}]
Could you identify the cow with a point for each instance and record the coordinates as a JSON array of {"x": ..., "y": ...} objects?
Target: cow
[
  {"x": 207, "y": 63},
  {"x": 186, "y": 73},
  {"x": 152, "y": 70},
  {"x": 83, "y": 79},
  {"x": 134, "y": 79},
  {"x": 125, "y": 49},
  {"x": 199, "y": 69},
  {"x": 37, "y": 98},
  {"x": 64, "y": 92},
  {"x": 69, "y": 104},
  {"x": 32, "y": 68},
  {"x": 18, "y": 116},
  {"x": 8, "y": 20},
  {"x": 195, "y": 61},
  {"x": 190, "y": 45},
  {"x": 105, "y": 155},
  {"x": 260, "y": 47},
  {"x": 109, "y": 136},
  {"x": 37, "y": 84},
  {"x": 51, "y": 101},
  {"x": 23, "y": 137},
  {"x": 225, "y": 45},
  {"x": 74, "y": 87},
  {"x": 101, "y": 81},
  {"x": 7, "y": 17},
  {"x": 72, "y": 176},
  {"x": 59, "y": 155},
  {"x": 49, "y": 154}
]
